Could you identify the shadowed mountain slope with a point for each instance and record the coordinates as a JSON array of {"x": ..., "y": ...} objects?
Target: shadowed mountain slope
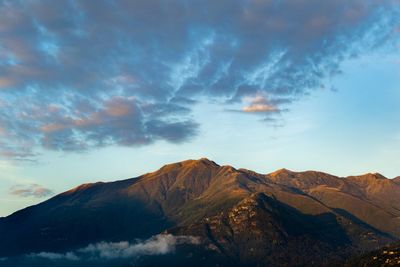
[
  {"x": 386, "y": 256},
  {"x": 371, "y": 198},
  {"x": 280, "y": 219}
]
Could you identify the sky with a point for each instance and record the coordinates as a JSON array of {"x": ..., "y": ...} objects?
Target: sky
[{"x": 106, "y": 90}]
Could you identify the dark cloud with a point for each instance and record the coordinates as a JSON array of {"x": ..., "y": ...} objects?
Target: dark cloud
[
  {"x": 81, "y": 74},
  {"x": 30, "y": 190},
  {"x": 120, "y": 121}
]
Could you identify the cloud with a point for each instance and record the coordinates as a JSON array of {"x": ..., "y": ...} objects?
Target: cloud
[
  {"x": 76, "y": 75},
  {"x": 260, "y": 104},
  {"x": 56, "y": 256},
  {"x": 157, "y": 245},
  {"x": 120, "y": 121},
  {"x": 30, "y": 190},
  {"x": 259, "y": 108}
]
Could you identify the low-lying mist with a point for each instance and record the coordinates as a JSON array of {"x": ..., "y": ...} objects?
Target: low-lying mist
[{"x": 122, "y": 253}]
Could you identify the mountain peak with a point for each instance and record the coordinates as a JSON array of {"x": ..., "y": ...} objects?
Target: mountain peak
[
  {"x": 281, "y": 171},
  {"x": 188, "y": 162},
  {"x": 207, "y": 161},
  {"x": 368, "y": 177},
  {"x": 203, "y": 163}
]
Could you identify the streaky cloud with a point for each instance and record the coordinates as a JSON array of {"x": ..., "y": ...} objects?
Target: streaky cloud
[{"x": 78, "y": 75}]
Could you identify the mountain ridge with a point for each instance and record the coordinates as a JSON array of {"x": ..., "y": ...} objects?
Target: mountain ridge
[
  {"x": 350, "y": 214},
  {"x": 208, "y": 161}
]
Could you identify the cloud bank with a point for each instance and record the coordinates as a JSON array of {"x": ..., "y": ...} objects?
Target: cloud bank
[
  {"x": 156, "y": 245},
  {"x": 77, "y": 75}
]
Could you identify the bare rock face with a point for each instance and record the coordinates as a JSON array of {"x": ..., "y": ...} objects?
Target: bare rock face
[{"x": 241, "y": 217}]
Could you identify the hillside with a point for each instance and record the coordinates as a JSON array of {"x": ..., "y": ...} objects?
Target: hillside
[
  {"x": 240, "y": 217},
  {"x": 386, "y": 256}
]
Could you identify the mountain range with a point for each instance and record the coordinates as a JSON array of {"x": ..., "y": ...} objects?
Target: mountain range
[{"x": 200, "y": 213}]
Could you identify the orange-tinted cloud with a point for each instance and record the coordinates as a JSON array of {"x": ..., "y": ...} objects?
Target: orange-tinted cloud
[{"x": 259, "y": 103}]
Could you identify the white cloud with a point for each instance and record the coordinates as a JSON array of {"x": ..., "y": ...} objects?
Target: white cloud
[
  {"x": 157, "y": 245},
  {"x": 57, "y": 256}
]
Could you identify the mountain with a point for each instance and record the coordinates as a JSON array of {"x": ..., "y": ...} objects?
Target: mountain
[{"x": 238, "y": 217}]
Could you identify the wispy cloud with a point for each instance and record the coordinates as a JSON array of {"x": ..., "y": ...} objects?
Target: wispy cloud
[
  {"x": 76, "y": 75},
  {"x": 30, "y": 190},
  {"x": 56, "y": 256}
]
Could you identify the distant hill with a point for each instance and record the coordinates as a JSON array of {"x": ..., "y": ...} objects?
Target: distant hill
[{"x": 239, "y": 217}]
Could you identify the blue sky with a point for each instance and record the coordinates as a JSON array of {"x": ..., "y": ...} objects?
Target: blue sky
[{"x": 106, "y": 90}]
